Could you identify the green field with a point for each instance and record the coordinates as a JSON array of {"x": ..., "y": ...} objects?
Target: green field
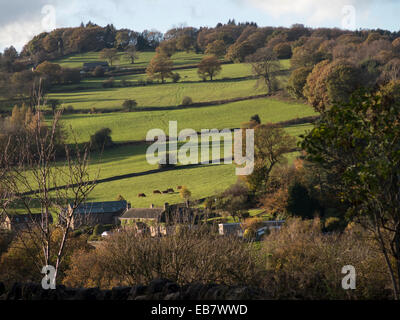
[
  {"x": 135, "y": 125},
  {"x": 77, "y": 60},
  {"x": 235, "y": 80}
]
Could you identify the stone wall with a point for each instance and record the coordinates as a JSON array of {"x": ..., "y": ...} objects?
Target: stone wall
[{"x": 159, "y": 289}]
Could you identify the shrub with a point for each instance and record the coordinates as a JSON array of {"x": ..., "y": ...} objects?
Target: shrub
[
  {"x": 304, "y": 263},
  {"x": 299, "y": 201},
  {"x": 109, "y": 83},
  {"x": 129, "y": 105},
  {"x": 176, "y": 77},
  {"x": 187, "y": 101},
  {"x": 98, "y": 230},
  {"x": 120, "y": 198},
  {"x": 101, "y": 139},
  {"x": 128, "y": 258},
  {"x": 334, "y": 224},
  {"x": 98, "y": 72},
  {"x": 69, "y": 109}
]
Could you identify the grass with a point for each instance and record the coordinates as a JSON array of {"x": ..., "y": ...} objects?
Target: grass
[
  {"x": 158, "y": 95},
  {"x": 135, "y": 125},
  {"x": 205, "y": 180},
  {"x": 77, "y": 60},
  {"x": 232, "y": 82}
]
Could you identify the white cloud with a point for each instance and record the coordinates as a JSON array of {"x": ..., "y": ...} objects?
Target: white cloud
[
  {"x": 315, "y": 12},
  {"x": 19, "y": 33}
]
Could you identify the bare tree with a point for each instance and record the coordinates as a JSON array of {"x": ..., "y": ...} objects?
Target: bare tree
[
  {"x": 265, "y": 66},
  {"x": 33, "y": 177},
  {"x": 109, "y": 54},
  {"x": 131, "y": 53}
]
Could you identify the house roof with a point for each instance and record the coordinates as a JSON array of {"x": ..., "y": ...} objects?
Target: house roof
[
  {"x": 25, "y": 218},
  {"x": 151, "y": 213},
  {"x": 101, "y": 207}
]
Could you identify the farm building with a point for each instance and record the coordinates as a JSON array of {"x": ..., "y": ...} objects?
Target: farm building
[
  {"x": 158, "y": 221},
  {"x": 93, "y": 213},
  {"x": 17, "y": 222}
]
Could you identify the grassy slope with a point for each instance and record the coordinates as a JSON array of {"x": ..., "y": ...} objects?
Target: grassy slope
[
  {"x": 202, "y": 181},
  {"x": 77, "y": 60},
  {"x": 230, "y": 83},
  {"x": 134, "y": 125}
]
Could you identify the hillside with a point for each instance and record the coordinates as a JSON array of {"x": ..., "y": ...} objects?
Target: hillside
[{"x": 235, "y": 81}]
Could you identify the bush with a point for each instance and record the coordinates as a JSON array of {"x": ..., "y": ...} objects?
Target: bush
[
  {"x": 98, "y": 72},
  {"x": 129, "y": 105},
  {"x": 101, "y": 139},
  {"x": 128, "y": 258},
  {"x": 109, "y": 83},
  {"x": 334, "y": 224},
  {"x": 98, "y": 230},
  {"x": 176, "y": 77},
  {"x": 304, "y": 263},
  {"x": 69, "y": 109},
  {"x": 187, "y": 101},
  {"x": 299, "y": 201}
]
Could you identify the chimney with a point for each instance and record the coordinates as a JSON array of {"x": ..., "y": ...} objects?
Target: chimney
[
  {"x": 166, "y": 205},
  {"x": 152, "y": 206}
]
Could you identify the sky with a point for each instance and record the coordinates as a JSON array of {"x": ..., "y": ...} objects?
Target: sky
[{"x": 20, "y": 20}]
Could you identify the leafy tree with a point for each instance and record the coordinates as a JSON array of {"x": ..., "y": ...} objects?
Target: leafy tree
[
  {"x": 234, "y": 201},
  {"x": 217, "y": 48},
  {"x": 129, "y": 104},
  {"x": 111, "y": 55},
  {"x": 70, "y": 76},
  {"x": 167, "y": 48},
  {"x": 239, "y": 51},
  {"x": 396, "y": 45},
  {"x": 297, "y": 82},
  {"x": 359, "y": 140},
  {"x": 283, "y": 50},
  {"x": 307, "y": 55},
  {"x": 51, "y": 71},
  {"x": 265, "y": 66},
  {"x": 184, "y": 43},
  {"x": 131, "y": 53},
  {"x": 160, "y": 67},
  {"x": 332, "y": 83},
  {"x": 271, "y": 143},
  {"x": 209, "y": 66},
  {"x": 299, "y": 202},
  {"x": 185, "y": 194}
]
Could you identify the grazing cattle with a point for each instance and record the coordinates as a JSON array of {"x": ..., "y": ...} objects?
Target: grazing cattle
[
  {"x": 165, "y": 192},
  {"x": 180, "y": 187},
  {"x": 156, "y": 192},
  {"x": 171, "y": 190},
  {"x": 141, "y": 195}
]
